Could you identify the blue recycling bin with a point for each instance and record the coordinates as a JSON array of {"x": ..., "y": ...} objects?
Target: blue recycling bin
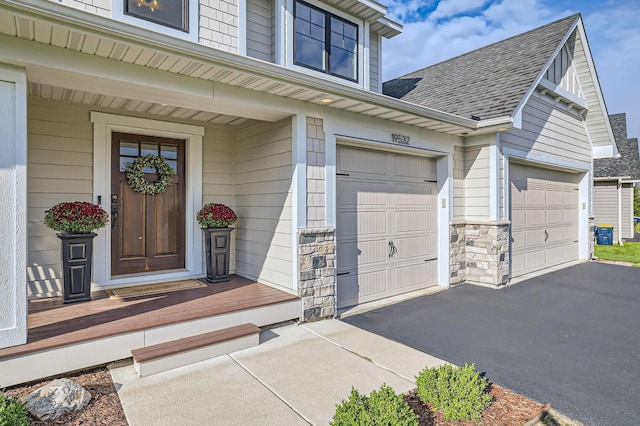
[{"x": 605, "y": 235}]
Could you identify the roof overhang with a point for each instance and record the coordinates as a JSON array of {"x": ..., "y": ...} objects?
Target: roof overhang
[
  {"x": 595, "y": 114},
  {"x": 48, "y": 23}
]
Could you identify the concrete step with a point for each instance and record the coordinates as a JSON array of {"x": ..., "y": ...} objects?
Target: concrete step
[{"x": 177, "y": 353}]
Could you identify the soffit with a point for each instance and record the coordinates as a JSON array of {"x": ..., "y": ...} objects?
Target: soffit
[
  {"x": 128, "y": 104},
  {"x": 43, "y": 29}
]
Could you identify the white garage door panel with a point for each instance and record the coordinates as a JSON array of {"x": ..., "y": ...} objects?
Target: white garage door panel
[
  {"x": 409, "y": 248},
  {"x": 414, "y": 167},
  {"x": 363, "y": 193},
  {"x": 544, "y": 218},
  {"x": 386, "y": 236},
  {"x": 412, "y": 221},
  {"x": 365, "y": 162},
  {"x": 415, "y": 277},
  {"x": 372, "y": 284},
  {"x": 364, "y": 223},
  {"x": 362, "y": 254}
]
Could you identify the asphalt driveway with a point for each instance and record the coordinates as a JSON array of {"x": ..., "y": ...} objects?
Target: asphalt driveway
[{"x": 571, "y": 337}]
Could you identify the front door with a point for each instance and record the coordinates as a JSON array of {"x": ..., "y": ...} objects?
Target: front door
[{"x": 147, "y": 231}]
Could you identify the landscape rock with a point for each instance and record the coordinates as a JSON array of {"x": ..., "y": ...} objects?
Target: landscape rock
[{"x": 57, "y": 398}]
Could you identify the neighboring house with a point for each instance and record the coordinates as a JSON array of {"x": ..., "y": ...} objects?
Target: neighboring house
[
  {"x": 529, "y": 183},
  {"x": 614, "y": 179},
  {"x": 344, "y": 195}
]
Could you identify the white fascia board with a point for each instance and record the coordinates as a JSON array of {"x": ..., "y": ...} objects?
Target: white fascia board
[
  {"x": 606, "y": 151},
  {"x": 596, "y": 83},
  {"x": 613, "y": 179},
  {"x": 387, "y": 28},
  {"x": 536, "y": 82},
  {"x": 497, "y": 123},
  {"x": 86, "y": 22}
]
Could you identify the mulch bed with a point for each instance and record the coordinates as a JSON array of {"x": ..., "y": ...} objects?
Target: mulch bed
[
  {"x": 507, "y": 409},
  {"x": 103, "y": 409}
]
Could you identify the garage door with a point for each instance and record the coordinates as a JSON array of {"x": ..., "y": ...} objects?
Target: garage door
[
  {"x": 544, "y": 218},
  {"x": 386, "y": 224}
]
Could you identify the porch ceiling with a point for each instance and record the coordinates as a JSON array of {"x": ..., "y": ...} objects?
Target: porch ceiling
[
  {"x": 52, "y": 24},
  {"x": 83, "y": 97}
]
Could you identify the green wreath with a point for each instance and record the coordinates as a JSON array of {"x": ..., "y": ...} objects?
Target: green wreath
[{"x": 137, "y": 181}]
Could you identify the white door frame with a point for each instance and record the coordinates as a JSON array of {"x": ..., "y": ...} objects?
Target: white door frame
[{"x": 103, "y": 126}]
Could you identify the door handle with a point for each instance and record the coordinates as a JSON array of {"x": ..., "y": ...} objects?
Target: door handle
[
  {"x": 546, "y": 235},
  {"x": 392, "y": 249},
  {"x": 114, "y": 217}
]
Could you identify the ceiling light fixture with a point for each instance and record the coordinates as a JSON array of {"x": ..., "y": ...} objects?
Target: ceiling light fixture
[{"x": 326, "y": 100}]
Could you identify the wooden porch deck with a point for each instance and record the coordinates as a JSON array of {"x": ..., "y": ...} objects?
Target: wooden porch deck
[{"x": 54, "y": 326}]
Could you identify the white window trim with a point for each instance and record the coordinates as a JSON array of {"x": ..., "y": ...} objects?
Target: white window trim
[
  {"x": 117, "y": 13},
  {"x": 289, "y": 43},
  {"x": 103, "y": 126}
]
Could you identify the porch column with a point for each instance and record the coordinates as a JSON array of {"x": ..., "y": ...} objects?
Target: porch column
[
  {"x": 13, "y": 206},
  {"x": 315, "y": 242}
]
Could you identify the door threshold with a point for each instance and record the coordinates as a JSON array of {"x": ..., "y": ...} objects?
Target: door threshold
[{"x": 139, "y": 279}]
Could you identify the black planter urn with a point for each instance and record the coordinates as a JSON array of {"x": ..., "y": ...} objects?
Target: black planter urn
[
  {"x": 217, "y": 251},
  {"x": 77, "y": 253}
]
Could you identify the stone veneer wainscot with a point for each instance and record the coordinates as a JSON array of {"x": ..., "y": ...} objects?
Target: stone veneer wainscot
[
  {"x": 479, "y": 252},
  {"x": 316, "y": 266}
]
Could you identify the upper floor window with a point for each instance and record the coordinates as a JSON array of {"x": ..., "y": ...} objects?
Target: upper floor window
[
  {"x": 325, "y": 42},
  {"x": 171, "y": 13}
]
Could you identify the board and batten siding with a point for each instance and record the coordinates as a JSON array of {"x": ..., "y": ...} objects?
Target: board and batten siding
[
  {"x": 263, "y": 170},
  {"x": 59, "y": 169},
  {"x": 260, "y": 29},
  {"x": 605, "y": 205},
  {"x": 374, "y": 56},
  {"x": 562, "y": 73}
]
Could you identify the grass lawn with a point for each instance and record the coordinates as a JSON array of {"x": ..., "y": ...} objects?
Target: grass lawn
[{"x": 630, "y": 252}]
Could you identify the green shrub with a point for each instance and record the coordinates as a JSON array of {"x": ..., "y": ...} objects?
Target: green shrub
[
  {"x": 382, "y": 407},
  {"x": 459, "y": 392},
  {"x": 13, "y": 412}
]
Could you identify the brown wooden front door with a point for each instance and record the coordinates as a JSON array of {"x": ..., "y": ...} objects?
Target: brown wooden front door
[{"x": 147, "y": 231}]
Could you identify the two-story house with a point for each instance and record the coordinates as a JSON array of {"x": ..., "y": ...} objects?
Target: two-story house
[{"x": 476, "y": 171}]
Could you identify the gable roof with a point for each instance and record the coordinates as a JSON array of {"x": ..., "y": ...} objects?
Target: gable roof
[
  {"x": 488, "y": 82},
  {"x": 628, "y": 164}
]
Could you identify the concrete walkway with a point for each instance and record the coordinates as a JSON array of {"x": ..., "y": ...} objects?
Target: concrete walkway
[{"x": 296, "y": 376}]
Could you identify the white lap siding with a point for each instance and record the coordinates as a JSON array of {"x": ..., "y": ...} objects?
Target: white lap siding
[
  {"x": 550, "y": 132},
  {"x": 59, "y": 168},
  {"x": 263, "y": 202}
]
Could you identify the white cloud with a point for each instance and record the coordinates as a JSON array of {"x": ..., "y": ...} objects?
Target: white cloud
[{"x": 612, "y": 29}]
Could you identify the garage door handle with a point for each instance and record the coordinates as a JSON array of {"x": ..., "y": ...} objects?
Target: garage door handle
[
  {"x": 546, "y": 235},
  {"x": 392, "y": 249}
]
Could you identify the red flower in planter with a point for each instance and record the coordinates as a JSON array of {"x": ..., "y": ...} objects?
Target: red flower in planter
[
  {"x": 76, "y": 216},
  {"x": 214, "y": 215}
]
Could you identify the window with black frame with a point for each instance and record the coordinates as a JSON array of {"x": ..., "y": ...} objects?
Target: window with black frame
[
  {"x": 170, "y": 13},
  {"x": 325, "y": 42}
]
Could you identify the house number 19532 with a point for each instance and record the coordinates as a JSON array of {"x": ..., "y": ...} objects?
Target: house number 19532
[{"x": 401, "y": 139}]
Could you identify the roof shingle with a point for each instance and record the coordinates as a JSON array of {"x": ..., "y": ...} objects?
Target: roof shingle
[
  {"x": 488, "y": 82},
  {"x": 629, "y": 162}
]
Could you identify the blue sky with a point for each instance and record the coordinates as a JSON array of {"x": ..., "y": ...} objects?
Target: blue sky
[{"x": 439, "y": 30}]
